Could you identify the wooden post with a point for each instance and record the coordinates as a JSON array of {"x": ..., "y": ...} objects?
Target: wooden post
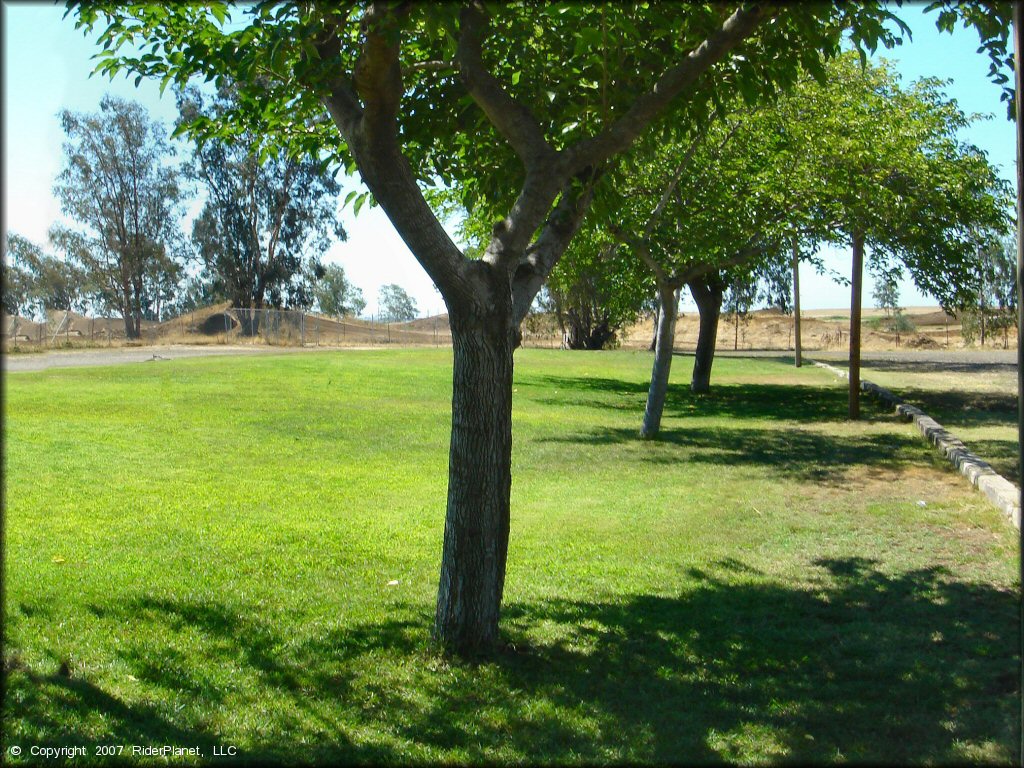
[
  {"x": 796, "y": 302},
  {"x": 855, "y": 301}
]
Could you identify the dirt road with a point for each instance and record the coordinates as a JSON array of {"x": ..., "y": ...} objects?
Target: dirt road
[
  {"x": 952, "y": 360},
  {"x": 75, "y": 358}
]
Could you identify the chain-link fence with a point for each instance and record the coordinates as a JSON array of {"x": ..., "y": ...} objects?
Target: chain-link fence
[{"x": 224, "y": 324}]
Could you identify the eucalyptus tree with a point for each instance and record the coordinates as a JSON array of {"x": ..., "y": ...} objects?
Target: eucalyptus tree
[
  {"x": 396, "y": 306},
  {"x": 120, "y": 187},
  {"x": 522, "y": 106},
  {"x": 35, "y": 281},
  {"x": 336, "y": 295},
  {"x": 596, "y": 289},
  {"x": 268, "y": 216}
]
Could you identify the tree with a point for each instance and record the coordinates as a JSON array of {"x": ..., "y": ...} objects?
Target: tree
[
  {"x": 995, "y": 306},
  {"x": 36, "y": 281},
  {"x": 396, "y": 306},
  {"x": 896, "y": 182},
  {"x": 522, "y": 106},
  {"x": 336, "y": 296},
  {"x": 17, "y": 277},
  {"x": 595, "y": 289},
  {"x": 268, "y": 215},
  {"x": 117, "y": 183},
  {"x": 886, "y": 293}
]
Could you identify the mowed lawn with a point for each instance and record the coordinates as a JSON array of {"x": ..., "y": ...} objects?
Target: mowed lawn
[{"x": 200, "y": 553}]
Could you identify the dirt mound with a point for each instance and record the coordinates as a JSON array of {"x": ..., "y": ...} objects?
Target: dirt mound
[{"x": 918, "y": 341}]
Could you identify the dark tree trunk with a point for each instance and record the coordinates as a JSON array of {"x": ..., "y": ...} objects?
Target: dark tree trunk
[
  {"x": 664, "y": 343},
  {"x": 595, "y": 337},
  {"x": 708, "y": 295},
  {"x": 855, "y": 306},
  {"x": 797, "y": 350},
  {"x": 479, "y": 486}
]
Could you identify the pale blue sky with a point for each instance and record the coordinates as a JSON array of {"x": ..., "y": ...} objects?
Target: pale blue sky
[{"x": 46, "y": 66}]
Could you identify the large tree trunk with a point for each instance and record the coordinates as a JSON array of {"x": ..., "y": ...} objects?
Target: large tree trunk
[
  {"x": 664, "y": 344},
  {"x": 479, "y": 486},
  {"x": 855, "y": 306},
  {"x": 708, "y": 295}
]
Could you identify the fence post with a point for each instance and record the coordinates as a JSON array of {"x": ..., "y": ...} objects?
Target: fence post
[
  {"x": 302, "y": 329},
  {"x": 225, "y": 326}
]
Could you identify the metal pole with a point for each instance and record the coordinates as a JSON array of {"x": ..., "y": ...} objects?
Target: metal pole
[{"x": 1018, "y": 43}]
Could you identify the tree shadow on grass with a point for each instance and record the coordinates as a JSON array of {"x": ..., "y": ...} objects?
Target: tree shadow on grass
[
  {"x": 858, "y": 664},
  {"x": 810, "y": 404},
  {"x": 803, "y": 454},
  {"x": 966, "y": 409}
]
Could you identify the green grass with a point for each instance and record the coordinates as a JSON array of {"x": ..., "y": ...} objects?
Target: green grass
[
  {"x": 205, "y": 546},
  {"x": 977, "y": 402}
]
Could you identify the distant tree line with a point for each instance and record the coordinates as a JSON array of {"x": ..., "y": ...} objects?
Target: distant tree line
[{"x": 266, "y": 218}]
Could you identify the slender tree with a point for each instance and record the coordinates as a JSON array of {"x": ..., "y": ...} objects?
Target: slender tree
[{"x": 120, "y": 187}]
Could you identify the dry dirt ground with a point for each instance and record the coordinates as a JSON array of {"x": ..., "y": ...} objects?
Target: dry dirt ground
[{"x": 821, "y": 329}]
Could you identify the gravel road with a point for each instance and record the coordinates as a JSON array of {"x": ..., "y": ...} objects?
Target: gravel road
[
  {"x": 74, "y": 358},
  {"x": 952, "y": 360}
]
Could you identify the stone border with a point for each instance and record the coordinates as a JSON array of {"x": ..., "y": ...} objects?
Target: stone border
[{"x": 997, "y": 488}]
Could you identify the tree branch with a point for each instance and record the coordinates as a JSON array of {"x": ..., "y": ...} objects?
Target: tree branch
[
  {"x": 542, "y": 255},
  {"x": 654, "y": 102},
  {"x": 512, "y": 120},
  {"x": 371, "y": 132}
]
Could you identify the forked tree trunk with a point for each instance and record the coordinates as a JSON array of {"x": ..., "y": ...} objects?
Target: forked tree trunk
[
  {"x": 664, "y": 343},
  {"x": 708, "y": 295},
  {"x": 479, "y": 486}
]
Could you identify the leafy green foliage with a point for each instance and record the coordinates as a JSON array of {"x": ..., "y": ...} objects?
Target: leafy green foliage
[
  {"x": 888, "y": 162},
  {"x": 576, "y": 67},
  {"x": 992, "y": 21},
  {"x": 596, "y": 289},
  {"x": 336, "y": 296},
  {"x": 35, "y": 281},
  {"x": 396, "y": 306}
]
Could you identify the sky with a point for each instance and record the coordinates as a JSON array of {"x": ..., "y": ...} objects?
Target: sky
[{"x": 46, "y": 68}]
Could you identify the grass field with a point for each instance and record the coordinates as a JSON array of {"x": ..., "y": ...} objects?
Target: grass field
[{"x": 201, "y": 553}]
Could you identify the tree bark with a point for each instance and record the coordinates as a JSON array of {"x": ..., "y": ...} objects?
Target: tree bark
[
  {"x": 708, "y": 295},
  {"x": 663, "y": 347},
  {"x": 479, "y": 485},
  {"x": 797, "y": 350},
  {"x": 855, "y": 305}
]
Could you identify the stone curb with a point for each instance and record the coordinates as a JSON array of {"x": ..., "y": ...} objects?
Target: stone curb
[{"x": 997, "y": 488}]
